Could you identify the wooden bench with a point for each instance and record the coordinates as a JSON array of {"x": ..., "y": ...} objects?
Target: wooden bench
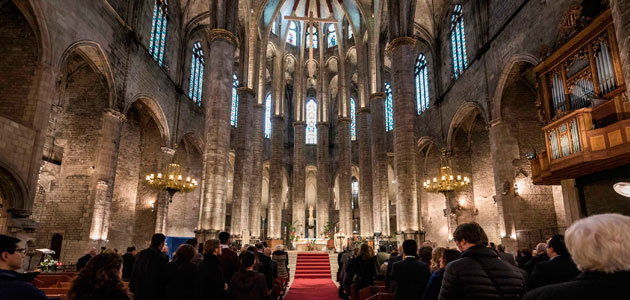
[
  {"x": 50, "y": 280},
  {"x": 382, "y": 296}
]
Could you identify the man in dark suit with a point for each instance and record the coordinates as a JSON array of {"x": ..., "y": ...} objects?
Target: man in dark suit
[
  {"x": 147, "y": 277},
  {"x": 541, "y": 256},
  {"x": 390, "y": 263},
  {"x": 229, "y": 258},
  {"x": 128, "y": 260},
  {"x": 560, "y": 268},
  {"x": 85, "y": 258},
  {"x": 410, "y": 275},
  {"x": 266, "y": 265}
]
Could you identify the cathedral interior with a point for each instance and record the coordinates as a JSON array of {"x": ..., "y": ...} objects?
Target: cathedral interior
[{"x": 377, "y": 120}]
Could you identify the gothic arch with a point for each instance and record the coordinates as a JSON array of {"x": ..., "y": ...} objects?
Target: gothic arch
[
  {"x": 464, "y": 113},
  {"x": 93, "y": 53},
  {"x": 156, "y": 112},
  {"x": 501, "y": 83},
  {"x": 35, "y": 17},
  {"x": 12, "y": 188}
]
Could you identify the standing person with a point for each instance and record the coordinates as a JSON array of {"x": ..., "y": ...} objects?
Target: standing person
[
  {"x": 85, "y": 258},
  {"x": 522, "y": 259},
  {"x": 410, "y": 275},
  {"x": 365, "y": 267},
  {"x": 382, "y": 256},
  {"x": 425, "y": 253},
  {"x": 165, "y": 254},
  {"x": 100, "y": 280},
  {"x": 248, "y": 284},
  {"x": 436, "y": 256},
  {"x": 435, "y": 282},
  {"x": 229, "y": 258},
  {"x": 541, "y": 256},
  {"x": 559, "y": 268},
  {"x": 599, "y": 245},
  {"x": 181, "y": 274},
  {"x": 394, "y": 258},
  {"x": 282, "y": 259},
  {"x": 506, "y": 257},
  {"x": 147, "y": 277},
  {"x": 210, "y": 283},
  {"x": 479, "y": 273},
  {"x": 129, "y": 259},
  {"x": 266, "y": 268},
  {"x": 198, "y": 256},
  {"x": 12, "y": 284}
]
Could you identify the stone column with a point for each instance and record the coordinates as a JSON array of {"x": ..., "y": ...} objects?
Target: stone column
[
  {"x": 243, "y": 162},
  {"x": 345, "y": 176},
  {"x": 369, "y": 217},
  {"x": 106, "y": 162},
  {"x": 379, "y": 163},
  {"x": 401, "y": 51},
  {"x": 256, "y": 179},
  {"x": 299, "y": 176},
  {"x": 572, "y": 206},
  {"x": 620, "y": 10},
  {"x": 275, "y": 178},
  {"x": 323, "y": 174},
  {"x": 217, "y": 130}
]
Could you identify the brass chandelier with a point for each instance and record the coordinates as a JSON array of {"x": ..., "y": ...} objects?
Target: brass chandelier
[
  {"x": 171, "y": 180},
  {"x": 447, "y": 182}
]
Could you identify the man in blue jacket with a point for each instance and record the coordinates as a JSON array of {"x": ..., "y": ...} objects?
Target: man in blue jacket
[{"x": 12, "y": 284}]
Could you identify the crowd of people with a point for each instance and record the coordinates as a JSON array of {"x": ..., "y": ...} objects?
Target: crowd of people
[{"x": 591, "y": 261}]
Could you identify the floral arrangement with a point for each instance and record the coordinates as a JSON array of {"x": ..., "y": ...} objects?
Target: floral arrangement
[
  {"x": 49, "y": 263},
  {"x": 310, "y": 245},
  {"x": 328, "y": 231},
  {"x": 293, "y": 236}
]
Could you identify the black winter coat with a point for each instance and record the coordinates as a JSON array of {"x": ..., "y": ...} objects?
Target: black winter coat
[
  {"x": 529, "y": 266},
  {"x": 480, "y": 274},
  {"x": 365, "y": 271},
  {"x": 411, "y": 277},
  {"x": 128, "y": 262},
  {"x": 388, "y": 277},
  {"x": 266, "y": 269},
  {"x": 210, "y": 283},
  {"x": 587, "y": 286},
  {"x": 14, "y": 286},
  {"x": 180, "y": 280},
  {"x": 249, "y": 285},
  {"x": 557, "y": 270},
  {"x": 147, "y": 278}
]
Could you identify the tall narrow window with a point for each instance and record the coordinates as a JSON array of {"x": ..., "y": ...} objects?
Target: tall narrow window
[
  {"x": 458, "y": 42},
  {"x": 158, "y": 31},
  {"x": 268, "y": 116},
  {"x": 332, "y": 36},
  {"x": 273, "y": 27},
  {"x": 350, "y": 33},
  {"x": 355, "y": 193},
  {"x": 311, "y": 122},
  {"x": 389, "y": 108},
  {"x": 196, "y": 74},
  {"x": 353, "y": 118},
  {"x": 234, "y": 113},
  {"x": 292, "y": 34},
  {"x": 422, "y": 84},
  {"x": 308, "y": 37}
]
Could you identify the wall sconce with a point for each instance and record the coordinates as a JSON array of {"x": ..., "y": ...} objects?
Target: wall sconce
[
  {"x": 152, "y": 203},
  {"x": 515, "y": 189},
  {"x": 513, "y": 236}
]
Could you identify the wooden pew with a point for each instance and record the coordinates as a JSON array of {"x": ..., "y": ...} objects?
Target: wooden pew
[
  {"x": 382, "y": 296},
  {"x": 49, "y": 280},
  {"x": 365, "y": 293}
]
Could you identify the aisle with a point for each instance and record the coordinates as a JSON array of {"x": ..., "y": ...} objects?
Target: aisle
[{"x": 312, "y": 278}]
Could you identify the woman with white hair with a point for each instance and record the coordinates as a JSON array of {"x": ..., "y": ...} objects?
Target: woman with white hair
[
  {"x": 282, "y": 259},
  {"x": 600, "y": 247}
]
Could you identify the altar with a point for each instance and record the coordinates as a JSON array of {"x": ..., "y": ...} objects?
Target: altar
[{"x": 319, "y": 244}]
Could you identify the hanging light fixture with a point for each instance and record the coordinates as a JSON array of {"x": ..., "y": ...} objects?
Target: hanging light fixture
[
  {"x": 622, "y": 188},
  {"x": 446, "y": 182},
  {"x": 171, "y": 180}
]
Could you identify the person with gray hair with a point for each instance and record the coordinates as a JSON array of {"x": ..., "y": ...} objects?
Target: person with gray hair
[
  {"x": 599, "y": 246},
  {"x": 541, "y": 256},
  {"x": 282, "y": 259}
]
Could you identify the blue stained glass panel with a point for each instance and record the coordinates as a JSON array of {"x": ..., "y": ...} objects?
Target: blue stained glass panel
[
  {"x": 311, "y": 122},
  {"x": 422, "y": 84},
  {"x": 268, "y": 116},
  {"x": 292, "y": 35},
  {"x": 389, "y": 108},
  {"x": 353, "y": 118},
  {"x": 332, "y": 36},
  {"x": 158, "y": 31},
  {"x": 458, "y": 42},
  {"x": 196, "y": 74},
  {"x": 234, "y": 111}
]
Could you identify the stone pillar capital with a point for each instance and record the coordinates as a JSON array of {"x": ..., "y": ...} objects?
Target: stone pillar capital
[
  {"x": 219, "y": 33},
  {"x": 299, "y": 123},
  {"x": 168, "y": 151},
  {"x": 277, "y": 117},
  {"x": 363, "y": 110},
  {"x": 399, "y": 41},
  {"x": 378, "y": 96},
  {"x": 343, "y": 120},
  {"x": 323, "y": 124},
  {"x": 258, "y": 105},
  {"x": 246, "y": 90},
  {"x": 114, "y": 114}
]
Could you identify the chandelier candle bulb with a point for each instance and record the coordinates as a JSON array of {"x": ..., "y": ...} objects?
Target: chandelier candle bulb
[
  {"x": 159, "y": 175},
  {"x": 179, "y": 177}
]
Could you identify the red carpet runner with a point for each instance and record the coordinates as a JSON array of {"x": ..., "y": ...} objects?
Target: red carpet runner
[{"x": 312, "y": 278}]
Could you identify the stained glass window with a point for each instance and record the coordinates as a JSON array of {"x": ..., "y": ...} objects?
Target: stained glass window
[
  {"x": 273, "y": 27},
  {"x": 234, "y": 112},
  {"x": 315, "y": 39},
  {"x": 458, "y": 42},
  {"x": 350, "y": 33},
  {"x": 196, "y": 74},
  {"x": 332, "y": 36},
  {"x": 158, "y": 31},
  {"x": 422, "y": 84},
  {"x": 292, "y": 38},
  {"x": 353, "y": 118},
  {"x": 311, "y": 122},
  {"x": 268, "y": 116},
  {"x": 389, "y": 108},
  {"x": 355, "y": 193}
]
